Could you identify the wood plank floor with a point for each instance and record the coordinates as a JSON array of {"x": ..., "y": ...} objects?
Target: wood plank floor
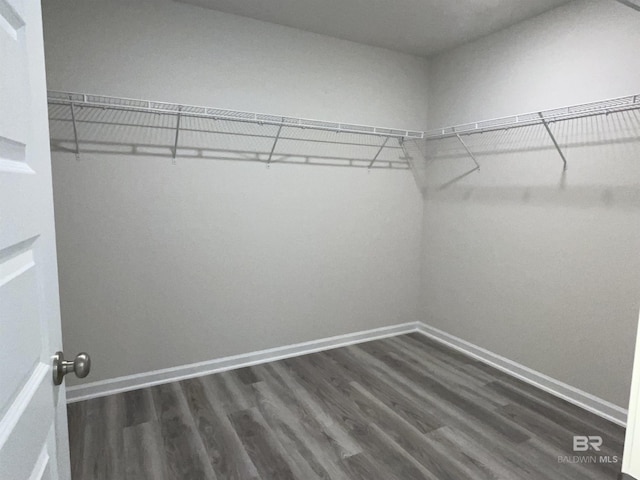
[{"x": 402, "y": 408}]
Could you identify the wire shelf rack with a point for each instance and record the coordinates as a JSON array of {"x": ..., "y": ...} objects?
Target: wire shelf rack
[
  {"x": 102, "y": 101},
  {"x": 603, "y": 107},
  {"x": 213, "y": 133},
  {"x": 272, "y": 138},
  {"x": 543, "y": 119}
]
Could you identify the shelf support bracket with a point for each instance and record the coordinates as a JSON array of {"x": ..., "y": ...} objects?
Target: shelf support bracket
[
  {"x": 553, "y": 139},
  {"x": 635, "y": 4},
  {"x": 409, "y": 160},
  {"x": 175, "y": 143},
  {"x": 273, "y": 147},
  {"x": 379, "y": 152},
  {"x": 473, "y": 157},
  {"x": 75, "y": 130}
]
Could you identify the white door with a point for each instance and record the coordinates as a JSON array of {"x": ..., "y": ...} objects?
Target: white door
[
  {"x": 631, "y": 457},
  {"x": 33, "y": 425}
]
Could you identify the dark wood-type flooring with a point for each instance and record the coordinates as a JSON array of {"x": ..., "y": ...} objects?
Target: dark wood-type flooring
[{"x": 401, "y": 408}]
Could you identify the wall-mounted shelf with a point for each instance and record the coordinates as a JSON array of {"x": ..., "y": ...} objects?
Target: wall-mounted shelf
[
  {"x": 84, "y": 123},
  {"x": 604, "y": 107},
  {"x": 274, "y": 139},
  {"x": 542, "y": 118}
]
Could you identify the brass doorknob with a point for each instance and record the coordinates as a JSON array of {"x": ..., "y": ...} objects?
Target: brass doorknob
[{"x": 81, "y": 366}]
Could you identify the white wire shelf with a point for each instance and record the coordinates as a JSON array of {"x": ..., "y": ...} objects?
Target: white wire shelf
[
  {"x": 102, "y": 101},
  {"x": 179, "y": 130},
  {"x": 105, "y": 124},
  {"x": 543, "y": 118},
  {"x": 604, "y": 107}
]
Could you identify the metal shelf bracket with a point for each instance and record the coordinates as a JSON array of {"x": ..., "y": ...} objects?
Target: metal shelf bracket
[
  {"x": 75, "y": 130},
  {"x": 473, "y": 157},
  {"x": 273, "y": 147},
  {"x": 553, "y": 139},
  {"x": 409, "y": 159},
  {"x": 175, "y": 143},
  {"x": 635, "y": 4},
  {"x": 379, "y": 152}
]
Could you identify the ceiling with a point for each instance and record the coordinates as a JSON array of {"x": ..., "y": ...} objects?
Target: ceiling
[{"x": 418, "y": 27}]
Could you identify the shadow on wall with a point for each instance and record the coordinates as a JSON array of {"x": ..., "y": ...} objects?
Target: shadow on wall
[
  {"x": 131, "y": 133},
  {"x": 522, "y": 166}
]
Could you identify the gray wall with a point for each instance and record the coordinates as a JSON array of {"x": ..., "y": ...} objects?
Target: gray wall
[
  {"x": 545, "y": 275},
  {"x": 164, "y": 265}
]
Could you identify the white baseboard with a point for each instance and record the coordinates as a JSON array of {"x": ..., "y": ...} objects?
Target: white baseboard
[
  {"x": 102, "y": 388},
  {"x": 571, "y": 394},
  {"x": 582, "y": 399}
]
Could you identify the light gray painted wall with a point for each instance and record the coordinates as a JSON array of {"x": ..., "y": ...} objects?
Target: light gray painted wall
[
  {"x": 544, "y": 275},
  {"x": 163, "y": 50},
  {"x": 581, "y": 52},
  {"x": 165, "y": 265}
]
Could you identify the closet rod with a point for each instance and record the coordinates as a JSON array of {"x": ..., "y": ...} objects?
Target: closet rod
[
  {"x": 164, "y": 108},
  {"x": 605, "y": 107}
]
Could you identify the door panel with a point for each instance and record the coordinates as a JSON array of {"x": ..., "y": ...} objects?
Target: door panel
[
  {"x": 33, "y": 430},
  {"x": 631, "y": 456},
  {"x": 13, "y": 52},
  {"x": 16, "y": 303}
]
